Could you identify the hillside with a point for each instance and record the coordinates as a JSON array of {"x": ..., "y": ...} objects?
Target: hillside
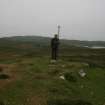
[
  {"x": 27, "y": 76},
  {"x": 45, "y": 41}
]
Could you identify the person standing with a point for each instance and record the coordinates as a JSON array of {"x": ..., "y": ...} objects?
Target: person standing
[{"x": 54, "y": 47}]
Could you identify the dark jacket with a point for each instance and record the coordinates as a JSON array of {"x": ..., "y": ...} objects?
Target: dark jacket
[{"x": 54, "y": 43}]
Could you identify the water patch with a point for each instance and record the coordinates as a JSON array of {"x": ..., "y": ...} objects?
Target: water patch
[{"x": 95, "y": 47}]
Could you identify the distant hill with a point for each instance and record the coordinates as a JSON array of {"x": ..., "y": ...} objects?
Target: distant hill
[
  {"x": 40, "y": 46},
  {"x": 24, "y": 41},
  {"x": 37, "y": 41}
]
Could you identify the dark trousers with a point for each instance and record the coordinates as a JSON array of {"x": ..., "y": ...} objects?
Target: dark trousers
[{"x": 54, "y": 53}]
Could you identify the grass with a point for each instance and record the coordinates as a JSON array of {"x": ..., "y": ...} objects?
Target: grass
[{"x": 35, "y": 81}]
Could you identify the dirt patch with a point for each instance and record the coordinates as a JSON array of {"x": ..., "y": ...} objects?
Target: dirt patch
[
  {"x": 36, "y": 100},
  {"x": 8, "y": 75},
  {"x": 1, "y": 69}
]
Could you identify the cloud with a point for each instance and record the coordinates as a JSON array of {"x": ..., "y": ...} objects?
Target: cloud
[{"x": 80, "y": 19}]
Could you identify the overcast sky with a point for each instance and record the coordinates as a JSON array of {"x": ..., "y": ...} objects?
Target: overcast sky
[{"x": 79, "y": 19}]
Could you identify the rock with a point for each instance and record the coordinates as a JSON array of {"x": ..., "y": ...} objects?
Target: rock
[
  {"x": 82, "y": 73},
  {"x": 62, "y": 77}
]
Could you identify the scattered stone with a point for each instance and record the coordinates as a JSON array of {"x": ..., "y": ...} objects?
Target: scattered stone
[
  {"x": 62, "y": 77},
  {"x": 82, "y": 73}
]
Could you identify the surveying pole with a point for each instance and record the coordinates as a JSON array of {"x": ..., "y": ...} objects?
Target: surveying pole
[{"x": 59, "y": 30}]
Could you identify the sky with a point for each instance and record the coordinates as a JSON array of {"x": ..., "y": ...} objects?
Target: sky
[{"x": 79, "y": 19}]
